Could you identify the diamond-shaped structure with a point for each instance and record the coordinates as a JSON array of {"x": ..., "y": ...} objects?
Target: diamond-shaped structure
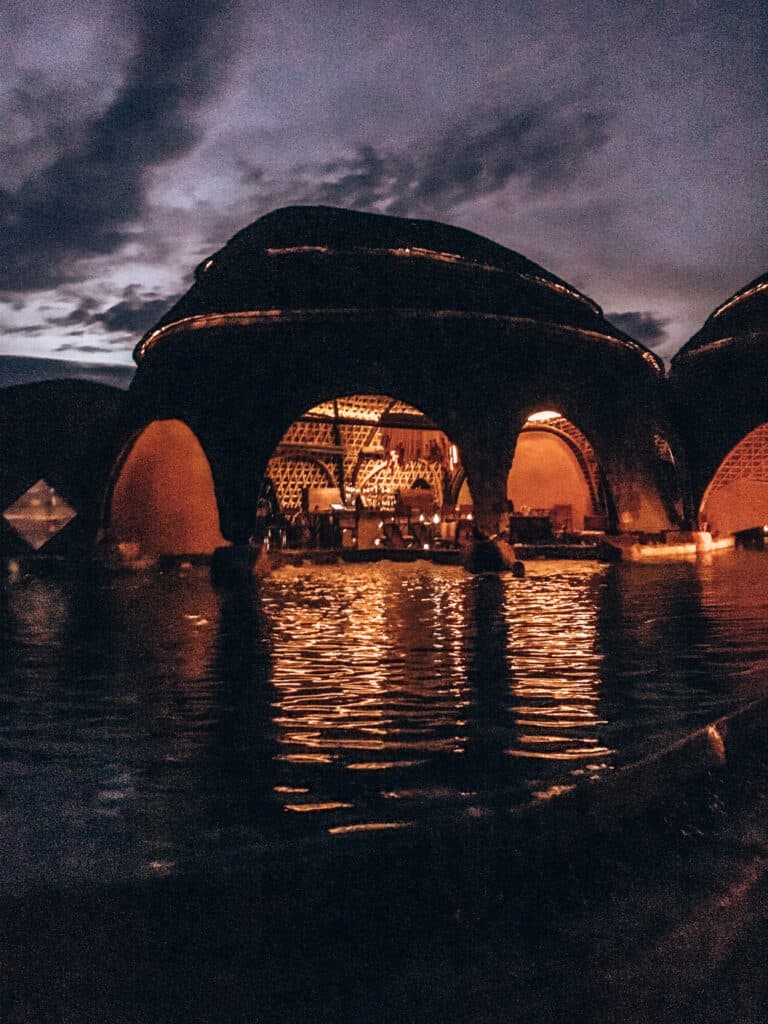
[{"x": 39, "y": 514}]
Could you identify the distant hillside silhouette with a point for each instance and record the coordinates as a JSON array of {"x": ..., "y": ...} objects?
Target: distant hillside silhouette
[{"x": 27, "y": 370}]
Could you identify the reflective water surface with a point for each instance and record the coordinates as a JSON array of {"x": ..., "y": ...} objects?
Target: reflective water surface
[{"x": 153, "y": 722}]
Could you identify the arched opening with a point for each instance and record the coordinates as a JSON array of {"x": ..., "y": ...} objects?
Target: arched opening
[
  {"x": 163, "y": 500},
  {"x": 365, "y": 471},
  {"x": 737, "y": 496},
  {"x": 555, "y": 485}
]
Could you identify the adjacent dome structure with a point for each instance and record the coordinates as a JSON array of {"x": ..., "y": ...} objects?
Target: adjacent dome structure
[
  {"x": 719, "y": 383},
  {"x": 740, "y": 320}
]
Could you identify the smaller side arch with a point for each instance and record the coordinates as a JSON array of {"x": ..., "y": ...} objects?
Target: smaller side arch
[
  {"x": 162, "y": 497},
  {"x": 555, "y": 469},
  {"x": 737, "y": 495}
]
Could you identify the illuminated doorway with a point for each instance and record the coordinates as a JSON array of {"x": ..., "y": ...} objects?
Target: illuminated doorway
[
  {"x": 361, "y": 470},
  {"x": 555, "y": 476}
]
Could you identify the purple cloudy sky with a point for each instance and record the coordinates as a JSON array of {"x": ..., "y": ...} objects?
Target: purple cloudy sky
[{"x": 621, "y": 145}]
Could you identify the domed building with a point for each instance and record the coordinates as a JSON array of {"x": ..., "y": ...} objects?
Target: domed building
[
  {"x": 312, "y": 306},
  {"x": 327, "y": 359},
  {"x": 720, "y": 389}
]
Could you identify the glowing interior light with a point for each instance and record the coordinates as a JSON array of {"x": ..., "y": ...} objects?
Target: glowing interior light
[
  {"x": 453, "y": 454},
  {"x": 542, "y": 417},
  {"x": 436, "y": 519},
  {"x": 470, "y": 517},
  {"x": 425, "y": 546},
  {"x": 739, "y": 296},
  {"x": 289, "y": 250}
]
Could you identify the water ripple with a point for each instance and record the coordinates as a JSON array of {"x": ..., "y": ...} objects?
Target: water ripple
[{"x": 154, "y": 721}]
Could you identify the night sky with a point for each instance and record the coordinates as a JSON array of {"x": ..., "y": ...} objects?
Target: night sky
[{"x": 622, "y": 146}]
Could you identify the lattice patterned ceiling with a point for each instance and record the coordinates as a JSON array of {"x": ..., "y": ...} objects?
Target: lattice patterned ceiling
[
  {"x": 747, "y": 461},
  {"x": 340, "y": 444}
]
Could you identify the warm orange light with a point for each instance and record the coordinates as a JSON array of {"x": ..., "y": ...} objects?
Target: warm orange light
[
  {"x": 290, "y": 250},
  {"x": 739, "y": 297},
  {"x": 374, "y": 826},
  {"x": 542, "y": 417},
  {"x": 330, "y": 805}
]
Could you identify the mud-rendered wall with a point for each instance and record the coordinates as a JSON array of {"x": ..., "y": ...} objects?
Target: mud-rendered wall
[{"x": 163, "y": 499}]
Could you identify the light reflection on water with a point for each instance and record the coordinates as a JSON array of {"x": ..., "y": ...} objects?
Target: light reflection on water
[{"x": 150, "y": 722}]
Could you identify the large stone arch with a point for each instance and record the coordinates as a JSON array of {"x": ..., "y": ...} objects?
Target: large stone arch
[
  {"x": 364, "y": 446},
  {"x": 162, "y": 498},
  {"x": 620, "y": 425}
]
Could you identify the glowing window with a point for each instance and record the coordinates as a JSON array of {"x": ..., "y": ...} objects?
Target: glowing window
[{"x": 39, "y": 514}]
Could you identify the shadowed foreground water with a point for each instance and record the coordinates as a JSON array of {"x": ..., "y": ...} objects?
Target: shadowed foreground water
[{"x": 152, "y": 723}]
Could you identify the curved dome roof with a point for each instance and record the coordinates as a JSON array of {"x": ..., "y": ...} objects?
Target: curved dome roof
[
  {"x": 337, "y": 230},
  {"x": 309, "y": 259},
  {"x": 744, "y": 314}
]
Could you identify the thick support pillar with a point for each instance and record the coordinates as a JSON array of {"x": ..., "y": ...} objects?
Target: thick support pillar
[
  {"x": 487, "y": 466},
  {"x": 237, "y": 464},
  {"x": 637, "y": 493}
]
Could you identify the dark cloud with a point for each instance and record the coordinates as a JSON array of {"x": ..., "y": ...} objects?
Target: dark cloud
[
  {"x": 90, "y": 349},
  {"x": 82, "y": 202},
  {"x": 644, "y": 327},
  {"x": 133, "y": 314},
  {"x": 81, "y": 314},
  {"x": 249, "y": 174},
  {"x": 41, "y": 118},
  {"x": 23, "y": 330},
  {"x": 544, "y": 145}
]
